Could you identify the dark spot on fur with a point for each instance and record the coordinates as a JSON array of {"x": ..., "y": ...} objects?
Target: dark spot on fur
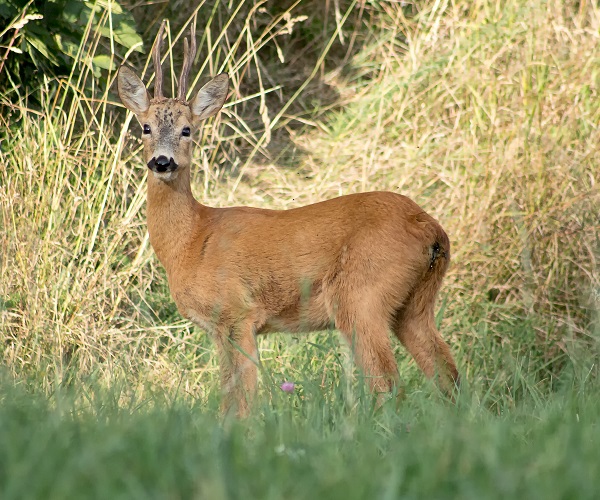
[
  {"x": 435, "y": 252},
  {"x": 203, "y": 249}
]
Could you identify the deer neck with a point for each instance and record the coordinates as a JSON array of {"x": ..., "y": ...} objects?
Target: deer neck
[{"x": 174, "y": 217}]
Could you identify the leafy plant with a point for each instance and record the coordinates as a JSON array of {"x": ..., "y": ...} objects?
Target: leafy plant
[{"x": 49, "y": 38}]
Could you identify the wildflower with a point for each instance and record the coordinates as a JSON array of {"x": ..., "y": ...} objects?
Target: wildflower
[{"x": 287, "y": 387}]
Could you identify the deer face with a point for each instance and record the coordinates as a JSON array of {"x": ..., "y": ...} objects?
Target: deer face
[
  {"x": 167, "y": 136},
  {"x": 168, "y": 124}
]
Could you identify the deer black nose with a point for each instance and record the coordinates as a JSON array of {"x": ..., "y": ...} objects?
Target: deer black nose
[{"x": 162, "y": 164}]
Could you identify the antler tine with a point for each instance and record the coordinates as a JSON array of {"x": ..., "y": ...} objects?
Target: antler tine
[
  {"x": 189, "y": 54},
  {"x": 182, "y": 87},
  {"x": 157, "y": 66}
]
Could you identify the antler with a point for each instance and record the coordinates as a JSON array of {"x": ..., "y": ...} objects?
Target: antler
[
  {"x": 189, "y": 53},
  {"x": 157, "y": 66}
]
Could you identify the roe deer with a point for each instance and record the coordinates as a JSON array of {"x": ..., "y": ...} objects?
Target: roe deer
[{"x": 365, "y": 263}]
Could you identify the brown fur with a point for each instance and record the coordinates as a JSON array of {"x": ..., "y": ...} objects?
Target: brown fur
[{"x": 366, "y": 263}]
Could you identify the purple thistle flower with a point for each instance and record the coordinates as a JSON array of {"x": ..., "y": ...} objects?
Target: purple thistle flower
[{"x": 287, "y": 387}]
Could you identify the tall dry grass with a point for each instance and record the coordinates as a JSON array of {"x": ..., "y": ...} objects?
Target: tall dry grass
[
  {"x": 81, "y": 292},
  {"x": 485, "y": 113}
]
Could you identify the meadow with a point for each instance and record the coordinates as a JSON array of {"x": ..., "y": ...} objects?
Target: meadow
[{"x": 485, "y": 113}]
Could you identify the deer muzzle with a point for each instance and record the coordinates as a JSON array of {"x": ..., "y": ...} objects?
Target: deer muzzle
[{"x": 162, "y": 164}]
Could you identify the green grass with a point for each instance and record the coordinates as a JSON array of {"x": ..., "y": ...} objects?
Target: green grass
[
  {"x": 93, "y": 445},
  {"x": 485, "y": 113}
]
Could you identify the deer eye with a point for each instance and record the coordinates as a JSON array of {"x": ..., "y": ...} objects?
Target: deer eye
[
  {"x": 147, "y": 129},
  {"x": 185, "y": 132}
]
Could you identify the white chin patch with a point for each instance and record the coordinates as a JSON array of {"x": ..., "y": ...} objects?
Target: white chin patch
[{"x": 165, "y": 176}]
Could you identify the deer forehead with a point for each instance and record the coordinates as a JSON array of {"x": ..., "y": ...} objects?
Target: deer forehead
[{"x": 169, "y": 113}]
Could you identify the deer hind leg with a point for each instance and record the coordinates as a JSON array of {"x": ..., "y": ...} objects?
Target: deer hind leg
[
  {"x": 415, "y": 328},
  {"x": 367, "y": 331},
  {"x": 238, "y": 360}
]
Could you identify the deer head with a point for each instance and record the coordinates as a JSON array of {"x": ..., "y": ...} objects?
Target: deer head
[{"x": 169, "y": 124}]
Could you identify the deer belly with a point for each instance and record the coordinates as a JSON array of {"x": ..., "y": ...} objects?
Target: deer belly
[{"x": 306, "y": 314}]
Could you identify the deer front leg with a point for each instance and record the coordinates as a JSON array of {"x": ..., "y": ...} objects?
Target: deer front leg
[{"x": 238, "y": 359}]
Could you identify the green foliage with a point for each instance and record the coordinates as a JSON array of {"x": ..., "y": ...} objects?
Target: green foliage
[
  {"x": 90, "y": 442},
  {"x": 48, "y": 38}
]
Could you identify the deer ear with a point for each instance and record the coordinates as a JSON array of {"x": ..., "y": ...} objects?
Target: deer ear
[
  {"x": 210, "y": 98},
  {"x": 132, "y": 91}
]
